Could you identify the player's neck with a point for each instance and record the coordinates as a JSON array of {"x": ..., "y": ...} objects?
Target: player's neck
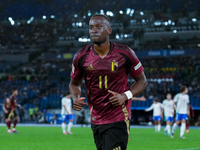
[{"x": 103, "y": 49}]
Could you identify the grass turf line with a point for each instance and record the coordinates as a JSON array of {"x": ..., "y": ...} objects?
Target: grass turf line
[{"x": 52, "y": 138}]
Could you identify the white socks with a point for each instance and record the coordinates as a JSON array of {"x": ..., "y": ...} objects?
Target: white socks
[
  {"x": 168, "y": 129},
  {"x": 156, "y": 127},
  {"x": 159, "y": 126},
  {"x": 174, "y": 127},
  {"x": 183, "y": 126},
  {"x": 70, "y": 124},
  {"x": 63, "y": 125}
]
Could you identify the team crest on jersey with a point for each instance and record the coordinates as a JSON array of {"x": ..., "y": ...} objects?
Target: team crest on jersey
[
  {"x": 73, "y": 68},
  {"x": 114, "y": 66}
]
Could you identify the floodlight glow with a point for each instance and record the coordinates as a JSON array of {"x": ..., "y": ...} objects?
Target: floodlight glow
[
  {"x": 12, "y": 22},
  {"x": 80, "y": 24},
  {"x": 194, "y": 19},
  {"x": 128, "y": 10},
  {"x": 169, "y": 21},
  {"x": 10, "y": 18},
  {"x": 143, "y": 20},
  {"x": 157, "y": 23},
  {"x": 173, "y": 23},
  {"x": 121, "y": 12},
  {"x": 141, "y": 13},
  {"x": 102, "y": 11},
  {"x": 75, "y": 15},
  {"x": 174, "y": 31},
  {"x": 44, "y": 17},
  {"x": 117, "y": 36},
  {"x": 52, "y": 16}
]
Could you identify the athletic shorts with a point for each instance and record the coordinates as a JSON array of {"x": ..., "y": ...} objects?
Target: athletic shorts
[
  {"x": 167, "y": 118},
  {"x": 11, "y": 114},
  {"x": 181, "y": 116},
  {"x": 156, "y": 118},
  {"x": 67, "y": 117},
  {"x": 112, "y": 136}
]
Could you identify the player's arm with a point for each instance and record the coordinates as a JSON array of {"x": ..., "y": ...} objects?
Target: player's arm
[
  {"x": 188, "y": 110},
  {"x": 173, "y": 106},
  {"x": 119, "y": 99},
  {"x": 75, "y": 91},
  {"x": 65, "y": 109},
  {"x": 162, "y": 110},
  {"x": 149, "y": 109},
  {"x": 139, "y": 98},
  {"x": 4, "y": 109}
]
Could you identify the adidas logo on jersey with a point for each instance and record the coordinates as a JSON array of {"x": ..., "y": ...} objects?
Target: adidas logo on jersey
[{"x": 90, "y": 67}]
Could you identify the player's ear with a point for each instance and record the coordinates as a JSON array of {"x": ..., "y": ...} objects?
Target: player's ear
[{"x": 109, "y": 30}]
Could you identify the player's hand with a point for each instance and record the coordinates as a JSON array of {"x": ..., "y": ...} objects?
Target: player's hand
[
  {"x": 117, "y": 99},
  {"x": 188, "y": 113},
  {"x": 143, "y": 98},
  {"x": 78, "y": 103},
  {"x": 6, "y": 111}
]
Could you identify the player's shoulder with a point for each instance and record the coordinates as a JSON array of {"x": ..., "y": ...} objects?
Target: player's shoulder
[
  {"x": 64, "y": 98},
  {"x": 83, "y": 51},
  {"x": 123, "y": 49}
]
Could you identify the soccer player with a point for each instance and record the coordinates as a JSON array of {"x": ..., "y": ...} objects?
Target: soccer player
[
  {"x": 157, "y": 107},
  {"x": 6, "y": 114},
  {"x": 168, "y": 112},
  {"x": 182, "y": 107},
  {"x": 66, "y": 113},
  {"x": 13, "y": 105},
  {"x": 190, "y": 114},
  {"x": 105, "y": 67}
]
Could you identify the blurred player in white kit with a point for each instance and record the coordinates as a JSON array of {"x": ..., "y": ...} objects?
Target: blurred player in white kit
[
  {"x": 157, "y": 107},
  {"x": 182, "y": 107},
  {"x": 168, "y": 113},
  {"x": 66, "y": 113}
]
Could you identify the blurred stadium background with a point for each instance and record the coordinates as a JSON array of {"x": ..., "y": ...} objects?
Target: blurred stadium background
[{"x": 38, "y": 39}]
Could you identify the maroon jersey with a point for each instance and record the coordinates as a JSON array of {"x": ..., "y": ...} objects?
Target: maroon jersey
[
  {"x": 13, "y": 102},
  {"x": 6, "y": 105},
  {"x": 103, "y": 74}
]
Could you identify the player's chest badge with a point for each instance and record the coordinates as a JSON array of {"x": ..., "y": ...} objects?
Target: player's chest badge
[{"x": 114, "y": 66}]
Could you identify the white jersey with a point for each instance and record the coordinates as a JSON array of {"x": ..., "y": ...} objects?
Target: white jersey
[
  {"x": 182, "y": 102},
  {"x": 68, "y": 104},
  {"x": 168, "y": 107},
  {"x": 156, "y": 109}
]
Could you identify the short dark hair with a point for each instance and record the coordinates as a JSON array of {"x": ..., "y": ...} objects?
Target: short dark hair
[
  {"x": 67, "y": 93},
  {"x": 104, "y": 16},
  {"x": 14, "y": 89},
  {"x": 155, "y": 99},
  {"x": 182, "y": 88}
]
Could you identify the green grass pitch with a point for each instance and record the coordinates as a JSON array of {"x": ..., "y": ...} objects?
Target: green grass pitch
[{"x": 51, "y": 138}]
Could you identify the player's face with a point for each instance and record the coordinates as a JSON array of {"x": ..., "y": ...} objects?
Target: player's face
[
  {"x": 98, "y": 30},
  {"x": 7, "y": 100},
  {"x": 186, "y": 91},
  {"x": 15, "y": 92},
  {"x": 169, "y": 96}
]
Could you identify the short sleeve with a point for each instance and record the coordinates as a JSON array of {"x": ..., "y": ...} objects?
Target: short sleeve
[
  {"x": 176, "y": 98},
  {"x": 77, "y": 71},
  {"x": 136, "y": 67},
  {"x": 188, "y": 100},
  {"x": 163, "y": 103},
  {"x": 64, "y": 102}
]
